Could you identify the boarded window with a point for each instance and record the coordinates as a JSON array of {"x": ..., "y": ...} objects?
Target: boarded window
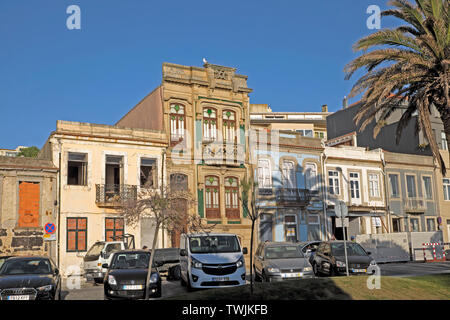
[
  {"x": 113, "y": 227},
  {"x": 29, "y": 194},
  {"x": 76, "y": 234}
]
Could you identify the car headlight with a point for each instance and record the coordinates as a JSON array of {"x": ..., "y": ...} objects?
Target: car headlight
[
  {"x": 307, "y": 269},
  {"x": 373, "y": 263},
  {"x": 45, "y": 288},
  {"x": 240, "y": 263},
  {"x": 195, "y": 263},
  {"x": 340, "y": 264},
  {"x": 112, "y": 280},
  {"x": 273, "y": 270},
  {"x": 154, "y": 278}
]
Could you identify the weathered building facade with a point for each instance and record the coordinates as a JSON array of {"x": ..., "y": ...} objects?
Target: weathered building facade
[
  {"x": 28, "y": 201},
  {"x": 205, "y": 113},
  {"x": 99, "y": 165},
  {"x": 288, "y": 172}
]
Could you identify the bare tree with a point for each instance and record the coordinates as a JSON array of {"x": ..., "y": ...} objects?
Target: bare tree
[
  {"x": 169, "y": 210},
  {"x": 253, "y": 211}
]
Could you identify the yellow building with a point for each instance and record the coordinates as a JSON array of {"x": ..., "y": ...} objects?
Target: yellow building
[
  {"x": 98, "y": 165},
  {"x": 443, "y": 194},
  {"x": 205, "y": 113}
]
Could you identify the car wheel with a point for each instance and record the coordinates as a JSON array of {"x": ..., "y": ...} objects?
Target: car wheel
[
  {"x": 182, "y": 282},
  {"x": 176, "y": 273},
  {"x": 257, "y": 277}
]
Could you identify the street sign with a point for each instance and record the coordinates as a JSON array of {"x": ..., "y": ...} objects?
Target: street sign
[
  {"x": 341, "y": 209},
  {"x": 49, "y": 237},
  {"x": 50, "y": 228},
  {"x": 339, "y": 223}
]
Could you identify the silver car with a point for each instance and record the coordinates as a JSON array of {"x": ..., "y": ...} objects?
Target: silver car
[{"x": 278, "y": 261}]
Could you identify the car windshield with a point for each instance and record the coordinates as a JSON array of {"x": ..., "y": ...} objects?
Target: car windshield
[
  {"x": 130, "y": 260},
  {"x": 214, "y": 244},
  {"x": 353, "y": 249},
  {"x": 2, "y": 261},
  {"x": 95, "y": 249},
  {"x": 283, "y": 252},
  {"x": 25, "y": 266}
]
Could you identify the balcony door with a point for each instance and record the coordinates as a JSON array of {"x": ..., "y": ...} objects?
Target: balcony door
[
  {"x": 113, "y": 175},
  {"x": 288, "y": 178}
]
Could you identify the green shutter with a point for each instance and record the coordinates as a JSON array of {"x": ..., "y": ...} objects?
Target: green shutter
[{"x": 201, "y": 210}]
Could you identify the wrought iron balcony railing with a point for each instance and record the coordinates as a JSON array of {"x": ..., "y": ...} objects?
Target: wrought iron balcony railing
[
  {"x": 114, "y": 194},
  {"x": 293, "y": 196},
  {"x": 414, "y": 204}
]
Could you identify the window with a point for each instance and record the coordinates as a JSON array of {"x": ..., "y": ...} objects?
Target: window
[
  {"x": 354, "y": 185},
  {"x": 393, "y": 183},
  {"x": 77, "y": 169},
  {"x": 311, "y": 176},
  {"x": 209, "y": 124},
  {"x": 446, "y": 183},
  {"x": 444, "y": 141},
  {"x": 305, "y": 133},
  {"x": 177, "y": 123},
  {"x": 333, "y": 182},
  {"x": 374, "y": 186},
  {"x": 76, "y": 234},
  {"x": 290, "y": 228},
  {"x": 29, "y": 199},
  {"x": 428, "y": 192},
  {"x": 396, "y": 225},
  {"x": 212, "y": 197},
  {"x": 148, "y": 172},
  {"x": 319, "y": 134},
  {"x": 313, "y": 227},
  {"x": 113, "y": 176},
  {"x": 414, "y": 225},
  {"x": 288, "y": 172},
  {"x": 232, "y": 198},
  {"x": 264, "y": 174},
  {"x": 411, "y": 186},
  {"x": 431, "y": 224},
  {"x": 113, "y": 227},
  {"x": 229, "y": 126}
]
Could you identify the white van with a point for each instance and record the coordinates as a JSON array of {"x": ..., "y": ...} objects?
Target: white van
[{"x": 211, "y": 261}]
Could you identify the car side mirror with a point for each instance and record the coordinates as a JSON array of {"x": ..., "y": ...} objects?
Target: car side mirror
[
  {"x": 245, "y": 251},
  {"x": 105, "y": 266},
  {"x": 369, "y": 253},
  {"x": 183, "y": 253},
  {"x": 56, "y": 271}
]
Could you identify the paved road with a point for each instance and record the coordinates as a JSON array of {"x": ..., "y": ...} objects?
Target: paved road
[{"x": 88, "y": 291}]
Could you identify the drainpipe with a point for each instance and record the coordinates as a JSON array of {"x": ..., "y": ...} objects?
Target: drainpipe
[
  {"x": 386, "y": 197},
  {"x": 59, "y": 208},
  {"x": 162, "y": 184}
]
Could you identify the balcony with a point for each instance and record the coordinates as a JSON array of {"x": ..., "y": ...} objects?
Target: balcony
[
  {"x": 111, "y": 195},
  {"x": 414, "y": 205},
  {"x": 265, "y": 191},
  {"x": 223, "y": 153},
  {"x": 293, "y": 197}
]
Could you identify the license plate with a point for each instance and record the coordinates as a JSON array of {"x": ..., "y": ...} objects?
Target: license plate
[
  {"x": 221, "y": 279},
  {"x": 133, "y": 287},
  {"x": 359, "y": 270},
  {"x": 292, "y": 275},
  {"x": 19, "y": 298}
]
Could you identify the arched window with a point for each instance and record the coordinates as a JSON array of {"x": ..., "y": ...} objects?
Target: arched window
[
  {"x": 311, "y": 176},
  {"x": 212, "y": 197},
  {"x": 177, "y": 123},
  {"x": 209, "y": 124},
  {"x": 229, "y": 125},
  {"x": 232, "y": 198},
  {"x": 288, "y": 175}
]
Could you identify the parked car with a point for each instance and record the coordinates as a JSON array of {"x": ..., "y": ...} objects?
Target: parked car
[
  {"x": 101, "y": 253},
  {"x": 447, "y": 255},
  {"x": 170, "y": 258},
  {"x": 127, "y": 274},
  {"x": 309, "y": 249},
  {"x": 29, "y": 278},
  {"x": 3, "y": 259},
  {"x": 329, "y": 259},
  {"x": 211, "y": 261},
  {"x": 276, "y": 261}
]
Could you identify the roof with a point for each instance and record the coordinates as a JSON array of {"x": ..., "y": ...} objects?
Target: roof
[{"x": 26, "y": 163}]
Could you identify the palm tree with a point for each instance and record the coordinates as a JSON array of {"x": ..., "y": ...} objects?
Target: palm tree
[{"x": 408, "y": 66}]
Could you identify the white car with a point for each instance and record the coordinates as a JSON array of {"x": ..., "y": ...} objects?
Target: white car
[{"x": 211, "y": 261}]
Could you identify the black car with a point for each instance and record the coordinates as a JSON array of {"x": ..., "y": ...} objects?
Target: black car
[
  {"x": 127, "y": 274},
  {"x": 329, "y": 259},
  {"x": 29, "y": 278}
]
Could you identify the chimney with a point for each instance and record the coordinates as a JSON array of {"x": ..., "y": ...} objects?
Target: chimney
[
  {"x": 325, "y": 108},
  {"x": 345, "y": 102}
]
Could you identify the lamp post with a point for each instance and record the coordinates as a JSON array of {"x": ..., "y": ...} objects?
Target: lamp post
[{"x": 343, "y": 213}]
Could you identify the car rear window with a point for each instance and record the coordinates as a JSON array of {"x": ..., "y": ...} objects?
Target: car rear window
[{"x": 283, "y": 252}]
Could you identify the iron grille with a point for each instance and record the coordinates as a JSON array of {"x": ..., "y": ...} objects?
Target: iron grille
[{"x": 115, "y": 193}]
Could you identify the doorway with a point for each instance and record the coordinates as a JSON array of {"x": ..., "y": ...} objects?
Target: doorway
[
  {"x": 179, "y": 182},
  {"x": 113, "y": 176}
]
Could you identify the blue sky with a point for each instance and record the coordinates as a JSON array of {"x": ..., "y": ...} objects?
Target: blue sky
[{"x": 293, "y": 52}]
